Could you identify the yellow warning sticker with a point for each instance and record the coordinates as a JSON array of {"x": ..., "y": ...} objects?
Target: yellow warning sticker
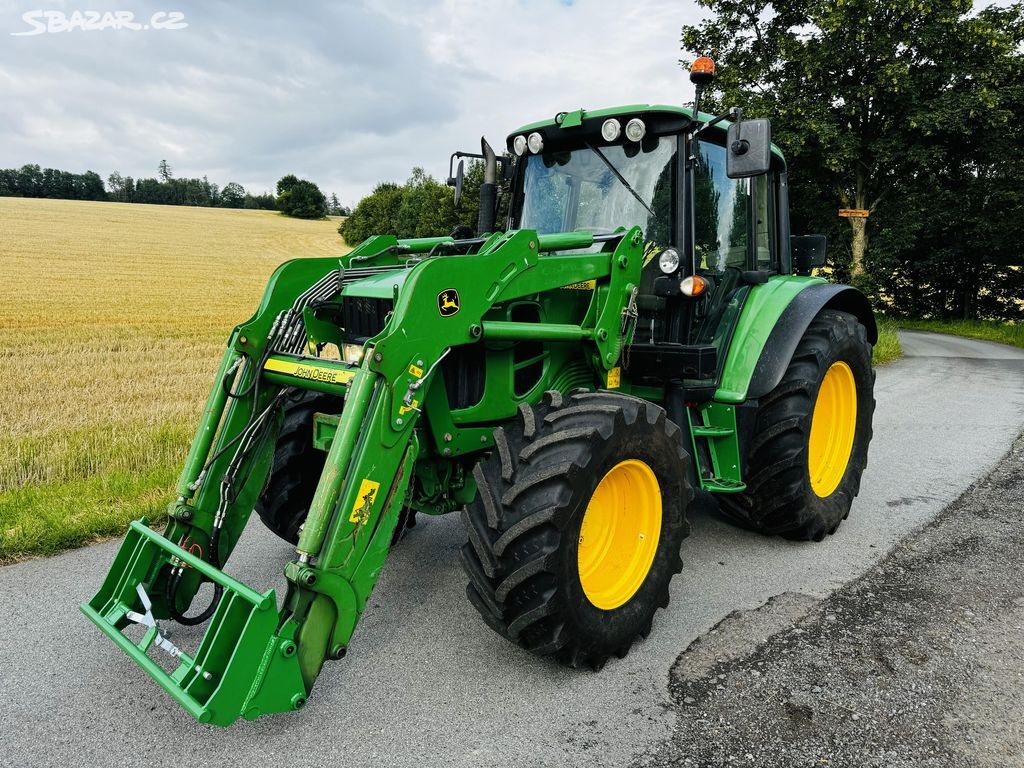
[
  {"x": 364, "y": 502},
  {"x": 415, "y": 371},
  {"x": 404, "y": 409},
  {"x": 614, "y": 377},
  {"x": 309, "y": 372}
]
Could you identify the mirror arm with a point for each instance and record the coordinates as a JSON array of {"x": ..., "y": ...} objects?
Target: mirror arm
[{"x": 733, "y": 113}]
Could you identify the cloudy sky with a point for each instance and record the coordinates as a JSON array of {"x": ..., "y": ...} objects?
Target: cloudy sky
[{"x": 345, "y": 93}]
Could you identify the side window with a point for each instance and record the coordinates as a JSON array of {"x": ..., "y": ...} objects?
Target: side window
[
  {"x": 763, "y": 229},
  {"x": 723, "y": 229}
]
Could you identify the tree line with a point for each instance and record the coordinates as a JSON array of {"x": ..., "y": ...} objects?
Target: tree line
[
  {"x": 908, "y": 109},
  {"x": 295, "y": 197}
]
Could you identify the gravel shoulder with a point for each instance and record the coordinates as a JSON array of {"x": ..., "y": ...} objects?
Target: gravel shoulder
[{"x": 920, "y": 662}]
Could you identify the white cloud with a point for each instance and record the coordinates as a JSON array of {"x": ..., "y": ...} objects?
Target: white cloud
[{"x": 346, "y": 94}]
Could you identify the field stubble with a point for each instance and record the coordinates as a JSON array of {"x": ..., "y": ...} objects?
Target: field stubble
[{"x": 112, "y": 321}]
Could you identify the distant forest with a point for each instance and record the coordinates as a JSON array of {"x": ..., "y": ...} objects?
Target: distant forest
[{"x": 165, "y": 189}]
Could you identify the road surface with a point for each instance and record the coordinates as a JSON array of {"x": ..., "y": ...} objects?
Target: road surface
[{"x": 426, "y": 683}]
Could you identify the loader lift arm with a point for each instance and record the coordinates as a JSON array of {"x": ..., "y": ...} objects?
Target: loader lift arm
[{"x": 255, "y": 658}]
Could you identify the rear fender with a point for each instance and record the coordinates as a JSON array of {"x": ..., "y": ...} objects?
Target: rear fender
[
  {"x": 774, "y": 319},
  {"x": 793, "y": 323}
]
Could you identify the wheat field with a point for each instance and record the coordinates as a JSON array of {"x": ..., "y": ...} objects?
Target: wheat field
[{"x": 113, "y": 318}]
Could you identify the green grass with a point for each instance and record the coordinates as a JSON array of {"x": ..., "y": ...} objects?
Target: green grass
[
  {"x": 888, "y": 347},
  {"x": 77, "y": 512},
  {"x": 988, "y": 330}
]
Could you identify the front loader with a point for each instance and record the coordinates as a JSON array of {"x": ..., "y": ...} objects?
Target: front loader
[{"x": 643, "y": 329}]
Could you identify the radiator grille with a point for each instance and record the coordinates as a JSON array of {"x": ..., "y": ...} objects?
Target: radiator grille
[{"x": 363, "y": 317}]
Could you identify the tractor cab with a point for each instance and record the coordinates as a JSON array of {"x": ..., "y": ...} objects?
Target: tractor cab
[{"x": 709, "y": 236}]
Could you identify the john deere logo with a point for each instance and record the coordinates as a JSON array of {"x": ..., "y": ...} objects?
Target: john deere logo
[{"x": 448, "y": 302}]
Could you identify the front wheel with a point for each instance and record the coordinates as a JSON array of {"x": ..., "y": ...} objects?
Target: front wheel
[
  {"x": 810, "y": 441},
  {"x": 575, "y": 532}
]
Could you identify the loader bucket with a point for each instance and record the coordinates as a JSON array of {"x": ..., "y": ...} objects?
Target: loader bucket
[{"x": 243, "y": 667}]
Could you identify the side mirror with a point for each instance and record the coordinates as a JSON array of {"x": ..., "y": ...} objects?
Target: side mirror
[
  {"x": 460, "y": 174},
  {"x": 748, "y": 146},
  {"x": 808, "y": 251}
]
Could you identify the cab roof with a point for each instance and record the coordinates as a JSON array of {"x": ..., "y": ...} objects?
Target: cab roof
[{"x": 667, "y": 118}]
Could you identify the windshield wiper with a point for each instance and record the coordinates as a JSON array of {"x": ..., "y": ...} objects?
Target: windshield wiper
[{"x": 621, "y": 178}]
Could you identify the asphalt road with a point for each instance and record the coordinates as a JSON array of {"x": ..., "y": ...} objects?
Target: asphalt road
[{"x": 427, "y": 683}]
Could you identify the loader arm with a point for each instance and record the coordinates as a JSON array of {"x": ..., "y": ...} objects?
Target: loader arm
[{"x": 256, "y": 658}]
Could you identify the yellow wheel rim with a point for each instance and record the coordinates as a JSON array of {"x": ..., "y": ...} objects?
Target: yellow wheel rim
[
  {"x": 832, "y": 429},
  {"x": 619, "y": 534}
]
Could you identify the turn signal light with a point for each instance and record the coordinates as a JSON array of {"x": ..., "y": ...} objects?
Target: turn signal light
[{"x": 694, "y": 285}]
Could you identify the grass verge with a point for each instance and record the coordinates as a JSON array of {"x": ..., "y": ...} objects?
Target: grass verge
[
  {"x": 888, "y": 347},
  {"x": 987, "y": 330},
  {"x": 45, "y": 519}
]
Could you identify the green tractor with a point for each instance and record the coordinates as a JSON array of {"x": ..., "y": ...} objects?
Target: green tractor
[{"x": 646, "y": 327}]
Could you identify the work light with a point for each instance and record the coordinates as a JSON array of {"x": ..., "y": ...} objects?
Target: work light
[
  {"x": 519, "y": 145},
  {"x": 635, "y": 129},
  {"x": 610, "y": 129},
  {"x": 536, "y": 142},
  {"x": 668, "y": 261}
]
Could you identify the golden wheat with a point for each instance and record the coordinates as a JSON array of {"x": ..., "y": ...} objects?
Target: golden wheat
[{"x": 112, "y": 321}]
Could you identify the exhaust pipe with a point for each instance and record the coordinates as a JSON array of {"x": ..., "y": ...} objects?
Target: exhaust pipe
[{"x": 488, "y": 190}]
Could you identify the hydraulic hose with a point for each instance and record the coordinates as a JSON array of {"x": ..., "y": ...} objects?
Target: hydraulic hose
[{"x": 174, "y": 580}]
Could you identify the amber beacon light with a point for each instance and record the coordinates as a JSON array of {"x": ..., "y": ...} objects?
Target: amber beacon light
[{"x": 702, "y": 71}]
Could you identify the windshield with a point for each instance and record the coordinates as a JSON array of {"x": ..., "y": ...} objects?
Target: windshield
[{"x": 598, "y": 189}]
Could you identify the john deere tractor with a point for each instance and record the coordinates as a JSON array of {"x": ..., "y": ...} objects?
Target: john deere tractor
[{"x": 641, "y": 328}]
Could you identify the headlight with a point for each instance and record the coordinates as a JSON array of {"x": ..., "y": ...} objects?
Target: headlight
[
  {"x": 535, "y": 142},
  {"x": 352, "y": 353},
  {"x": 610, "y": 129},
  {"x": 635, "y": 129},
  {"x": 519, "y": 145},
  {"x": 668, "y": 261}
]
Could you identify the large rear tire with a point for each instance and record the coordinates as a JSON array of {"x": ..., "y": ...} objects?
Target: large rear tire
[
  {"x": 810, "y": 441},
  {"x": 575, "y": 531}
]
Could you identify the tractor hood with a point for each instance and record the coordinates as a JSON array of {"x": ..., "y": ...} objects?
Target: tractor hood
[{"x": 377, "y": 286}]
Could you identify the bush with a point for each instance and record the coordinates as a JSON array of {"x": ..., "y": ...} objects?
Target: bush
[
  {"x": 377, "y": 213},
  {"x": 300, "y": 198}
]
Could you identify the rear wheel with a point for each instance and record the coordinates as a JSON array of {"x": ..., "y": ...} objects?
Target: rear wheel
[
  {"x": 575, "y": 531},
  {"x": 810, "y": 441}
]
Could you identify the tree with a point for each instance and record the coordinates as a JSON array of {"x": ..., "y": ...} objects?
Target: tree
[
  {"x": 116, "y": 183},
  {"x": 232, "y": 196},
  {"x": 265, "y": 201},
  {"x": 286, "y": 183},
  {"x": 91, "y": 187},
  {"x": 374, "y": 214},
  {"x": 427, "y": 209},
  {"x": 334, "y": 205},
  {"x": 869, "y": 98},
  {"x": 300, "y": 198},
  {"x": 164, "y": 171}
]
